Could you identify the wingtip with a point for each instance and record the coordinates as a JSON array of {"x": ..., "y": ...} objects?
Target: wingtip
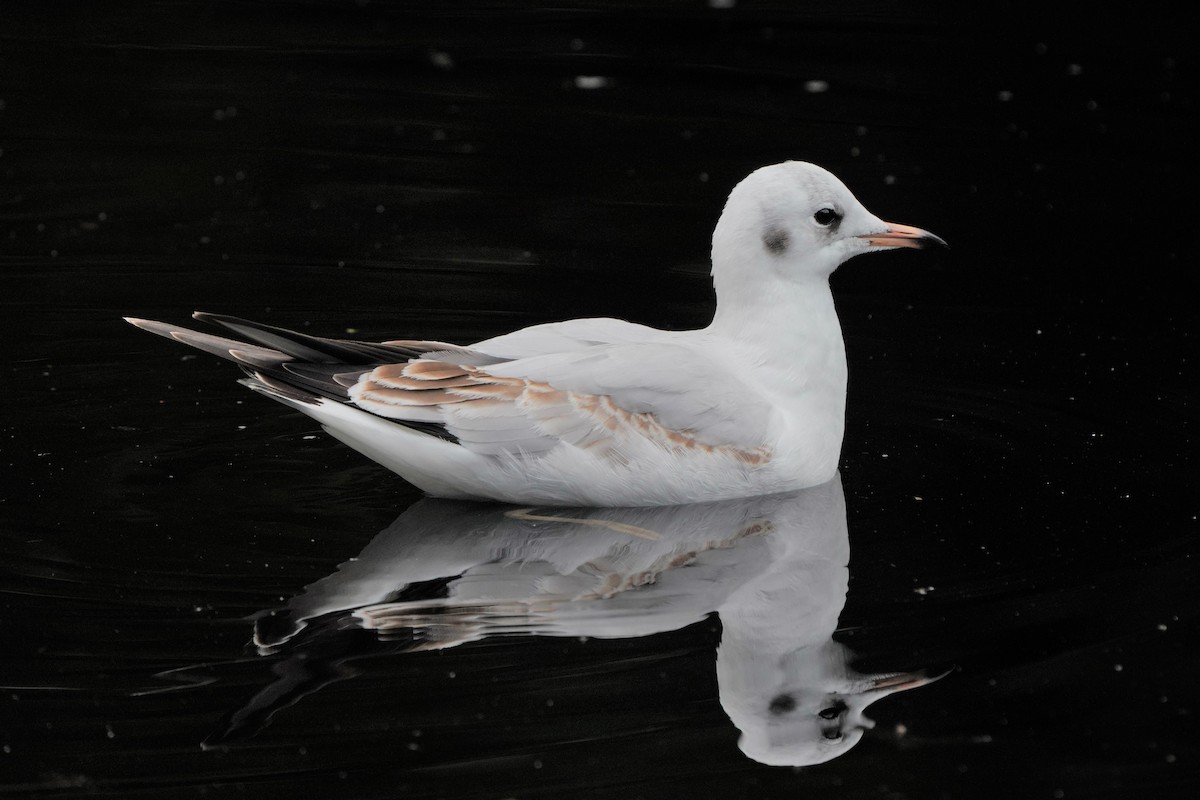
[{"x": 152, "y": 326}]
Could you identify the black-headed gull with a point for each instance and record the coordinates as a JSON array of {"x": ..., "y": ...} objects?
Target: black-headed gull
[
  {"x": 604, "y": 412},
  {"x": 445, "y": 573}
]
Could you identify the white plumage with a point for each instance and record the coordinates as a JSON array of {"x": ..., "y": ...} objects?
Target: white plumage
[{"x": 605, "y": 412}]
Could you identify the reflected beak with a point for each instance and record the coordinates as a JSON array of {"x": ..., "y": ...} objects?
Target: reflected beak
[
  {"x": 902, "y": 681},
  {"x": 898, "y": 235}
]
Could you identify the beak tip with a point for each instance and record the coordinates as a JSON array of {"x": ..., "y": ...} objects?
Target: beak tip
[{"x": 923, "y": 239}]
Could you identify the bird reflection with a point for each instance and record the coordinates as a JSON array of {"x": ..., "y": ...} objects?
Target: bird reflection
[{"x": 445, "y": 573}]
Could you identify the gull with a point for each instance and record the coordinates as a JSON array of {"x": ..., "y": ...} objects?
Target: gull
[
  {"x": 447, "y": 573},
  {"x": 603, "y": 412}
]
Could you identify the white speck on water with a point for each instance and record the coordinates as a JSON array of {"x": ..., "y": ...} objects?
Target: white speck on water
[
  {"x": 1074, "y": 69},
  {"x": 889, "y": 179},
  {"x": 1118, "y": 667},
  {"x": 379, "y": 209},
  {"x": 722, "y": 3},
  {"x": 816, "y": 86},
  {"x": 576, "y": 45},
  {"x": 591, "y": 81},
  {"x": 1004, "y": 95},
  {"x": 1161, "y": 626},
  {"x": 440, "y": 59}
]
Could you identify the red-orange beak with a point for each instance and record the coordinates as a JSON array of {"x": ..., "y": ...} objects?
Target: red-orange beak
[{"x": 898, "y": 235}]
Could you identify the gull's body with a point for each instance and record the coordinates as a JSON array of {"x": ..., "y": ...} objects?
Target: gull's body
[{"x": 605, "y": 412}]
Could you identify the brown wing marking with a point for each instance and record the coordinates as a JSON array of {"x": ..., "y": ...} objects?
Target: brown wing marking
[{"x": 472, "y": 399}]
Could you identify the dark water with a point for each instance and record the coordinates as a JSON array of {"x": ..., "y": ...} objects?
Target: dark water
[{"x": 1019, "y": 497}]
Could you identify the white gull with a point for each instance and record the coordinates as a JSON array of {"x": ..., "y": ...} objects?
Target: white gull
[{"x": 604, "y": 412}]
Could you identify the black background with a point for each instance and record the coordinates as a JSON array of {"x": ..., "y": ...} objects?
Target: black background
[{"x": 454, "y": 171}]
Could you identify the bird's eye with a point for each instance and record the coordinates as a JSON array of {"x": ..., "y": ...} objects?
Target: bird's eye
[
  {"x": 826, "y": 217},
  {"x": 833, "y": 711}
]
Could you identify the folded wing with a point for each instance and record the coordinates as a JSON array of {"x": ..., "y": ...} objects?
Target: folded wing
[{"x": 611, "y": 399}]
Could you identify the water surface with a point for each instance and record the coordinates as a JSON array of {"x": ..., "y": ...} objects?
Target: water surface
[{"x": 205, "y": 596}]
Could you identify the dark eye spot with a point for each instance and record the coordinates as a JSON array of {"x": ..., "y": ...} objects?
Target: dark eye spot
[
  {"x": 782, "y": 704},
  {"x": 776, "y": 240},
  {"x": 826, "y": 217}
]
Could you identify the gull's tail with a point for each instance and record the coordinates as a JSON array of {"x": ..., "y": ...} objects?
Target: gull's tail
[{"x": 296, "y": 368}]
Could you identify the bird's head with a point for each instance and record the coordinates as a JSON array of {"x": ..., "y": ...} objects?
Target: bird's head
[{"x": 800, "y": 222}]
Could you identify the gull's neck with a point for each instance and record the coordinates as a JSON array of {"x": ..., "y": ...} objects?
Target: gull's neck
[{"x": 774, "y": 312}]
